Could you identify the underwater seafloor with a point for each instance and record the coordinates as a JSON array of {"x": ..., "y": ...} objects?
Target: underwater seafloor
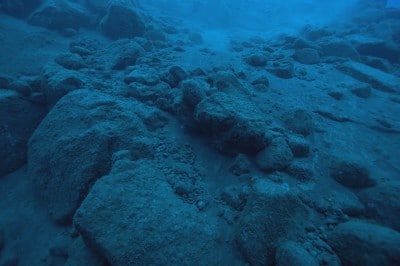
[{"x": 131, "y": 137}]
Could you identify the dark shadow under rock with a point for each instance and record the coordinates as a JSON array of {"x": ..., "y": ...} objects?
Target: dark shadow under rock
[{"x": 19, "y": 118}]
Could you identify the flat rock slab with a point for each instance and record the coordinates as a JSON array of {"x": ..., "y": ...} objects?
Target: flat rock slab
[
  {"x": 376, "y": 78},
  {"x": 133, "y": 217}
]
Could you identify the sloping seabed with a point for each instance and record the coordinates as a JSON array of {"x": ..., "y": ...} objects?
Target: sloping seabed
[{"x": 199, "y": 132}]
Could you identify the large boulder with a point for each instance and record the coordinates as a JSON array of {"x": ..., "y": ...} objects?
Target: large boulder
[
  {"x": 19, "y": 118},
  {"x": 60, "y": 14},
  {"x": 122, "y": 21},
  {"x": 133, "y": 217},
  {"x": 361, "y": 243},
  {"x": 272, "y": 214},
  {"x": 235, "y": 122},
  {"x": 299, "y": 121},
  {"x": 72, "y": 146},
  {"x": 19, "y": 8}
]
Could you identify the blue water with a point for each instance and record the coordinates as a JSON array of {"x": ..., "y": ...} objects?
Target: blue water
[{"x": 199, "y": 132}]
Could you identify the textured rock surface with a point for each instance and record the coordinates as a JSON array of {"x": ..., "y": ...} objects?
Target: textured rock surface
[
  {"x": 362, "y": 243},
  {"x": 86, "y": 127},
  {"x": 272, "y": 213},
  {"x": 134, "y": 217},
  {"x": 57, "y": 82},
  {"x": 277, "y": 156},
  {"x": 237, "y": 123}
]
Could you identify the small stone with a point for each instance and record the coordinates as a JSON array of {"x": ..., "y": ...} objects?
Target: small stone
[
  {"x": 361, "y": 90},
  {"x": 276, "y": 156},
  {"x": 301, "y": 171},
  {"x": 307, "y": 56},
  {"x": 183, "y": 188},
  {"x": 70, "y": 61},
  {"x": 299, "y": 146},
  {"x": 257, "y": 60},
  {"x": 351, "y": 173},
  {"x": 283, "y": 69},
  {"x": 201, "y": 205},
  {"x": 235, "y": 197},
  {"x": 299, "y": 121},
  {"x": 240, "y": 166},
  {"x": 262, "y": 80},
  {"x": 337, "y": 95},
  {"x": 193, "y": 91}
]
